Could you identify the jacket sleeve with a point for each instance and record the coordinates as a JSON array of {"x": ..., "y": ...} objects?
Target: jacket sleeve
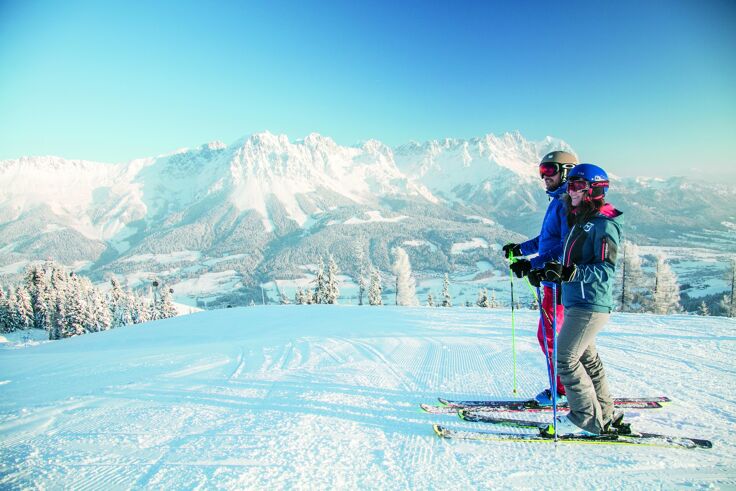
[
  {"x": 531, "y": 246},
  {"x": 605, "y": 239},
  {"x": 555, "y": 226}
]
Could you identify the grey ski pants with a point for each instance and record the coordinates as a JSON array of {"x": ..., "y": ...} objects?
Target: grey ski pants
[{"x": 581, "y": 370}]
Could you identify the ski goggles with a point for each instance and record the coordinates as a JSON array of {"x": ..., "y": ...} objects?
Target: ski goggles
[
  {"x": 549, "y": 169},
  {"x": 580, "y": 184}
]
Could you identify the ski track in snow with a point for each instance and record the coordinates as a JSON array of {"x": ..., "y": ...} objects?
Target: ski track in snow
[{"x": 325, "y": 397}]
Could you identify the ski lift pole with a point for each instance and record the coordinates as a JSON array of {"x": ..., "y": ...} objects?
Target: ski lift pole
[{"x": 512, "y": 260}]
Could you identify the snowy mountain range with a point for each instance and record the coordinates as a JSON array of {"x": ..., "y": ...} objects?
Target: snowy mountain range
[{"x": 265, "y": 208}]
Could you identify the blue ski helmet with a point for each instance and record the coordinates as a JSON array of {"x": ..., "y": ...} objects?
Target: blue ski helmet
[{"x": 595, "y": 176}]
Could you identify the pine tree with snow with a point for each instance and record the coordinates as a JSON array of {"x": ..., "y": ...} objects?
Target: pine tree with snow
[
  {"x": 35, "y": 283},
  {"x": 166, "y": 308},
  {"x": 703, "y": 309},
  {"x": 406, "y": 289},
  {"x": 101, "y": 310},
  {"x": 666, "y": 295},
  {"x": 483, "y": 298},
  {"x": 533, "y": 304},
  {"x": 25, "y": 309},
  {"x": 492, "y": 302},
  {"x": 729, "y": 300},
  {"x": 446, "y": 299},
  {"x": 430, "y": 300},
  {"x": 375, "y": 290},
  {"x": 320, "y": 289},
  {"x": 3, "y": 311},
  {"x": 631, "y": 277},
  {"x": 117, "y": 300},
  {"x": 332, "y": 288}
]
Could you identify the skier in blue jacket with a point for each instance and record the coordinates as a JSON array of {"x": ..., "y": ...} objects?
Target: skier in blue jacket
[
  {"x": 553, "y": 169},
  {"x": 586, "y": 273}
]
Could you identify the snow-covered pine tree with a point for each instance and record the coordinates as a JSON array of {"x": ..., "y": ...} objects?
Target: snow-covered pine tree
[
  {"x": 632, "y": 278},
  {"x": 375, "y": 290},
  {"x": 118, "y": 302},
  {"x": 75, "y": 317},
  {"x": 492, "y": 302},
  {"x": 166, "y": 308},
  {"x": 406, "y": 289},
  {"x": 3, "y": 310},
  {"x": 25, "y": 309},
  {"x": 533, "y": 304},
  {"x": 483, "y": 298},
  {"x": 666, "y": 295},
  {"x": 362, "y": 280},
  {"x": 35, "y": 282},
  {"x": 703, "y": 309},
  {"x": 140, "y": 307},
  {"x": 446, "y": 299},
  {"x": 430, "y": 299},
  {"x": 59, "y": 322},
  {"x": 729, "y": 300},
  {"x": 332, "y": 287},
  {"x": 102, "y": 316},
  {"x": 320, "y": 288}
]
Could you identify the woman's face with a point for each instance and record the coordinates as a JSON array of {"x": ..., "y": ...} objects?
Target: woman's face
[{"x": 576, "y": 196}]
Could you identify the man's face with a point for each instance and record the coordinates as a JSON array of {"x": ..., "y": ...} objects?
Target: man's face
[{"x": 553, "y": 182}]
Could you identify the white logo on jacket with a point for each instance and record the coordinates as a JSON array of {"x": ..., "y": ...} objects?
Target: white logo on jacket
[{"x": 588, "y": 226}]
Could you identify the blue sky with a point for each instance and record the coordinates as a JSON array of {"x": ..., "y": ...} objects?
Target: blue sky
[{"x": 642, "y": 88}]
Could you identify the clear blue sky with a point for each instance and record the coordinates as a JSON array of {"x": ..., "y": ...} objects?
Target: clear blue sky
[{"x": 641, "y": 87}]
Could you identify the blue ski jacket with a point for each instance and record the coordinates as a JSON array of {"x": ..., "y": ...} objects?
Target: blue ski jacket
[
  {"x": 592, "y": 247},
  {"x": 551, "y": 239}
]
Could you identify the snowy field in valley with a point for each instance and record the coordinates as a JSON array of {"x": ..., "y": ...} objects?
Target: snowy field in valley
[{"x": 325, "y": 397}]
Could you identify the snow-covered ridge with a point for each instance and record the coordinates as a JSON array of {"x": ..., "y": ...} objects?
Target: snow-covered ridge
[{"x": 100, "y": 199}]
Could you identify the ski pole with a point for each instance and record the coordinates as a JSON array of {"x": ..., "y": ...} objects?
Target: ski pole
[
  {"x": 512, "y": 260},
  {"x": 554, "y": 351},
  {"x": 542, "y": 315}
]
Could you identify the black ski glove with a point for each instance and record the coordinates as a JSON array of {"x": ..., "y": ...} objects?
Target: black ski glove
[
  {"x": 557, "y": 272},
  {"x": 510, "y": 249},
  {"x": 535, "y": 277},
  {"x": 521, "y": 267}
]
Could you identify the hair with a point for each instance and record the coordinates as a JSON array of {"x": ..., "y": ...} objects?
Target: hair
[{"x": 586, "y": 210}]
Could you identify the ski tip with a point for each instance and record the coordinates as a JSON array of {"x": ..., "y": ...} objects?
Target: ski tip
[
  {"x": 461, "y": 414},
  {"x": 439, "y": 430}
]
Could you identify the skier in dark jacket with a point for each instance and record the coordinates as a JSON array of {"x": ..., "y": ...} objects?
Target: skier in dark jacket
[
  {"x": 586, "y": 274},
  {"x": 554, "y": 169}
]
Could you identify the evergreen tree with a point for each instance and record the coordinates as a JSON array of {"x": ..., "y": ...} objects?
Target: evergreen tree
[
  {"x": 666, "y": 298},
  {"x": 25, "y": 310},
  {"x": 320, "y": 289},
  {"x": 703, "y": 309},
  {"x": 492, "y": 302},
  {"x": 446, "y": 299},
  {"x": 59, "y": 322},
  {"x": 332, "y": 289},
  {"x": 166, "y": 308},
  {"x": 430, "y": 300},
  {"x": 729, "y": 300},
  {"x": 101, "y": 311},
  {"x": 632, "y": 278},
  {"x": 3, "y": 310},
  {"x": 534, "y": 305},
  {"x": 375, "y": 290},
  {"x": 120, "y": 308},
  {"x": 406, "y": 290},
  {"x": 35, "y": 282},
  {"x": 483, "y": 298}
]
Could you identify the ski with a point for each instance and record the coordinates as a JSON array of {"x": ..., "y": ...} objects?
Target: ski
[
  {"x": 645, "y": 439},
  {"x": 521, "y": 405}
]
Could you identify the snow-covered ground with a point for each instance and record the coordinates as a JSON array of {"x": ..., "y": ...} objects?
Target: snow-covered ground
[{"x": 326, "y": 397}]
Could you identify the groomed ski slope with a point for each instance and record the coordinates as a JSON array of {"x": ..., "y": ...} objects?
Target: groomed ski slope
[{"x": 323, "y": 397}]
